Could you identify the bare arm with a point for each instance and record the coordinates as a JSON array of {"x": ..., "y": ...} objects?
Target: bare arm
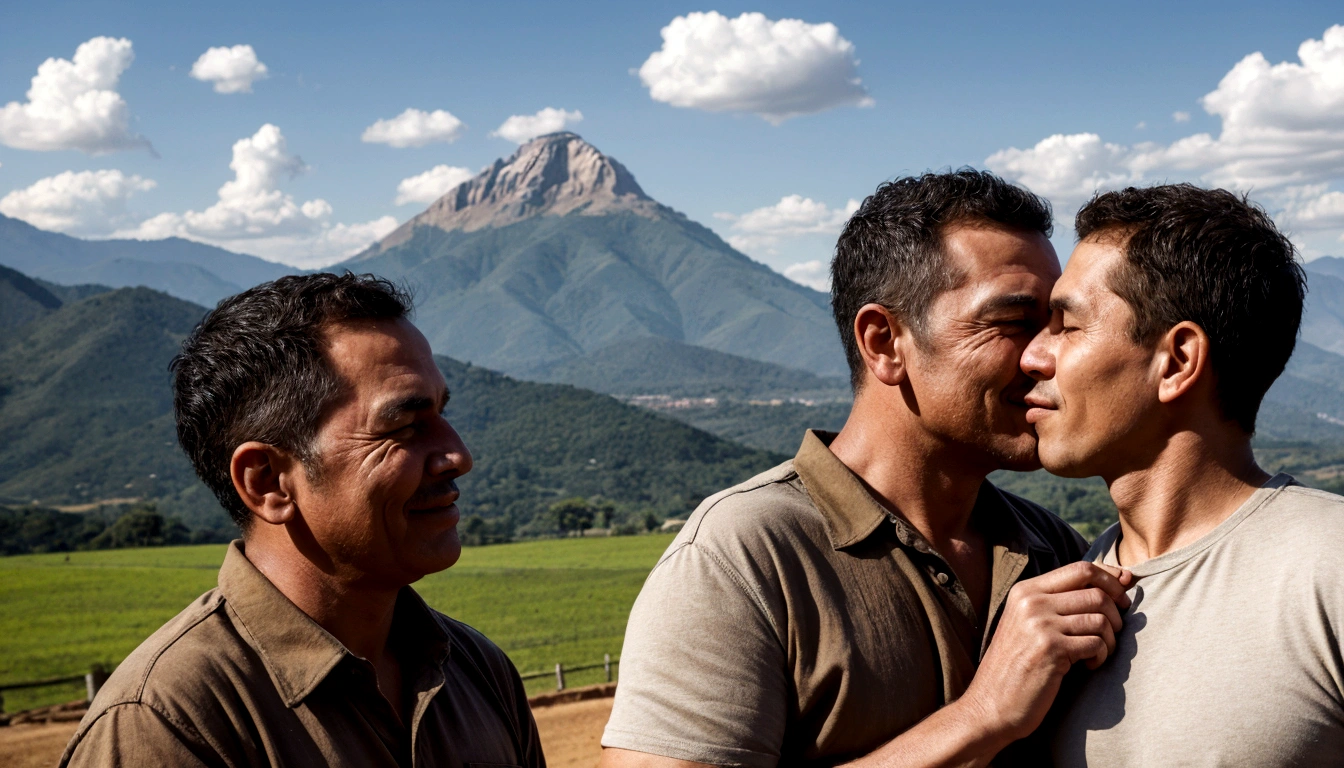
[{"x": 1049, "y": 623}]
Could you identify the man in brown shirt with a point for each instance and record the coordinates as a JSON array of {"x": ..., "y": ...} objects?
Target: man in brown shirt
[
  {"x": 313, "y": 409},
  {"x": 841, "y": 606}
]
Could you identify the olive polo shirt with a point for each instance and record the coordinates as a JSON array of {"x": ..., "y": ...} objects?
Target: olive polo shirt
[
  {"x": 796, "y": 621},
  {"x": 242, "y": 677}
]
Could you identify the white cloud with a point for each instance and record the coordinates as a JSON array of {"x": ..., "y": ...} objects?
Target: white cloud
[
  {"x": 1282, "y": 138},
  {"x": 1180, "y": 117},
  {"x": 83, "y": 203},
  {"x": 521, "y": 128},
  {"x": 774, "y": 69},
  {"x": 1142, "y": 125},
  {"x": 254, "y": 215},
  {"x": 74, "y": 104},
  {"x": 415, "y": 128},
  {"x": 758, "y": 233},
  {"x": 1066, "y": 169},
  {"x": 232, "y": 70},
  {"x": 814, "y": 274},
  {"x": 431, "y": 185}
]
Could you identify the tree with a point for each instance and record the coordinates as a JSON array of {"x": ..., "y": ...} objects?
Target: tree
[
  {"x": 572, "y": 515},
  {"x": 650, "y": 522}
]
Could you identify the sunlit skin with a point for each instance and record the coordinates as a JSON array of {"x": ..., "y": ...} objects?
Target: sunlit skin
[
  {"x": 928, "y": 424},
  {"x": 1095, "y": 407},
  {"x": 380, "y": 512},
  {"x": 1146, "y": 418}
]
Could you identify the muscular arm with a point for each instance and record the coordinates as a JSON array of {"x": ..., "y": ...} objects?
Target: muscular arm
[{"x": 1049, "y": 623}]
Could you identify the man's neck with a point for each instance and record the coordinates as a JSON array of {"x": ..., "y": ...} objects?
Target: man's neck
[
  {"x": 357, "y": 615},
  {"x": 908, "y": 471},
  {"x": 1195, "y": 482}
]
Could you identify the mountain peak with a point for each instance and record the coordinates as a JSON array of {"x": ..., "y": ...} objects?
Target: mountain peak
[{"x": 552, "y": 175}]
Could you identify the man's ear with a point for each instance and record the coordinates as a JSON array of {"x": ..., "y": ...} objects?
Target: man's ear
[
  {"x": 263, "y": 476},
  {"x": 1182, "y": 361},
  {"x": 883, "y": 343}
]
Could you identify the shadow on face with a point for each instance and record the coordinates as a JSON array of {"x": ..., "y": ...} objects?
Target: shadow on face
[
  {"x": 965, "y": 376},
  {"x": 1095, "y": 387},
  {"x": 382, "y": 507}
]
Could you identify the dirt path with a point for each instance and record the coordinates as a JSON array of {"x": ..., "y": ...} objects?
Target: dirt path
[{"x": 570, "y": 735}]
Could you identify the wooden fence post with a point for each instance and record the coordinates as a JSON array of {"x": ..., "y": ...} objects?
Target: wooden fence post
[
  {"x": 559, "y": 677},
  {"x": 94, "y": 680},
  {"x": 606, "y": 665}
]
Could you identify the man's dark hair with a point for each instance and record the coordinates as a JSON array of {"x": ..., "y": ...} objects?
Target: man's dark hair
[
  {"x": 891, "y": 251},
  {"x": 254, "y": 369},
  {"x": 1216, "y": 259}
]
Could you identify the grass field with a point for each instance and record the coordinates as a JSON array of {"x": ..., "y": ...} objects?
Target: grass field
[{"x": 543, "y": 602}]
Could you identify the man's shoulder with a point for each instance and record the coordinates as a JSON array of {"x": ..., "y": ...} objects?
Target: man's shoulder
[
  {"x": 774, "y": 499},
  {"x": 1305, "y": 522},
  {"x": 175, "y": 672},
  {"x": 1046, "y": 527},
  {"x": 186, "y": 642},
  {"x": 478, "y": 650}
]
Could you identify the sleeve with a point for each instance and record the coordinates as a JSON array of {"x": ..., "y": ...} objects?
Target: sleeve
[
  {"x": 133, "y": 735},
  {"x": 529, "y": 737},
  {"x": 703, "y": 673}
]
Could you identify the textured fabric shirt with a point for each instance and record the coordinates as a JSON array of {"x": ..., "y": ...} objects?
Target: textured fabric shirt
[
  {"x": 242, "y": 677},
  {"x": 796, "y": 621},
  {"x": 1230, "y": 653}
]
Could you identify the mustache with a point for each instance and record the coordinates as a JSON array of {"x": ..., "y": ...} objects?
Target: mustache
[{"x": 430, "y": 495}]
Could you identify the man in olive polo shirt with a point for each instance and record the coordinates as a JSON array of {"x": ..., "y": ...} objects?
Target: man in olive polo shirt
[
  {"x": 313, "y": 409},
  {"x": 840, "y": 607}
]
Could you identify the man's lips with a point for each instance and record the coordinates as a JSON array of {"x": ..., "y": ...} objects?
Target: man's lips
[
  {"x": 1038, "y": 407},
  {"x": 437, "y": 498}
]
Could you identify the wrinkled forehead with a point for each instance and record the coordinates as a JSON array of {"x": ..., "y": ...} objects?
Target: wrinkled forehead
[
  {"x": 997, "y": 265},
  {"x": 374, "y": 356}
]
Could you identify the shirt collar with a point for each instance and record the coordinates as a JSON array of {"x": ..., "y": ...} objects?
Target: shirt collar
[
  {"x": 852, "y": 514},
  {"x": 297, "y": 652}
]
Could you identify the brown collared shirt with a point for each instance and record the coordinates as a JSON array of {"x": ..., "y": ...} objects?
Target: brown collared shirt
[
  {"x": 795, "y": 621},
  {"x": 242, "y": 677}
]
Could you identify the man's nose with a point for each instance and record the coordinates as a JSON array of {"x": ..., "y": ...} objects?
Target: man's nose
[
  {"x": 1038, "y": 359},
  {"x": 452, "y": 457}
]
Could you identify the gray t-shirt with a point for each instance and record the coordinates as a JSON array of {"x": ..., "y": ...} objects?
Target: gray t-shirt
[{"x": 1230, "y": 654}]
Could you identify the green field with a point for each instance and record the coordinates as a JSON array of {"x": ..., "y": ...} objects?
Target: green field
[{"x": 544, "y": 602}]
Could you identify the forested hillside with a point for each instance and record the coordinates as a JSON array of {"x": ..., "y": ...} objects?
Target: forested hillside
[{"x": 86, "y": 420}]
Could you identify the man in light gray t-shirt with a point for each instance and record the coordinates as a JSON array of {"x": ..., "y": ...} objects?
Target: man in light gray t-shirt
[
  {"x": 1178, "y": 309},
  {"x": 1230, "y": 653}
]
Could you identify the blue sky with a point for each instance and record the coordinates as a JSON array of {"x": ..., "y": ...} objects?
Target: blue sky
[{"x": 951, "y": 84}]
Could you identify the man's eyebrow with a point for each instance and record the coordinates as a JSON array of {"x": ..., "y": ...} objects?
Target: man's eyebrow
[
  {"x": 1063, "y": 304},
  {"x": 397, "y": 409},
  {"x": 1009, "y": 301}
]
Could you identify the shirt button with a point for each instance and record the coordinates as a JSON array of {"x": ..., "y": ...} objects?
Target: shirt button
[{"x": 941, "y": 579}]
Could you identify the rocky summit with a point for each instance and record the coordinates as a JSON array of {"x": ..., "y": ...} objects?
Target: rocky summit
[
  {"x": 555, "y": 254},
  {"x": 551, "y": 175}
]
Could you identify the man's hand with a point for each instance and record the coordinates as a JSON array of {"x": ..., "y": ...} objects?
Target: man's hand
[{"x": 1049, "y": 623}]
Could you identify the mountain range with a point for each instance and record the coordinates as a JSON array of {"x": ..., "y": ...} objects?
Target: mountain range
[
  {"x": 196, "y": 272},
  {"x": 86, "y": 418},
  {"x": 556, "y": 253}
]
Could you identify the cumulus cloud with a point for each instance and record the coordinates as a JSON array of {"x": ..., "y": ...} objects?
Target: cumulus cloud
[
  {"x": 1180, "y": 117},
  {"x": 431, "y": 185},
  {"x": 83, "y": 203},
  {"x": 415, "y": 128},
  {"x": 1282, "y": 138},
  {"x": 814, "y": 274},
  {"x": 521, "y": 128},
  {"x": 232, "y": 70},
  {"x": 252, "y": 213},
  {"x": 793, "y": 216},
  {"x": 774, "y": 69},
  {"x": 74, "y": 104}
]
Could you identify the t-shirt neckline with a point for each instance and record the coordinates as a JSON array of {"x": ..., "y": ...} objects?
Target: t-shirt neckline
[{"x": 1176, "y": 557}]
